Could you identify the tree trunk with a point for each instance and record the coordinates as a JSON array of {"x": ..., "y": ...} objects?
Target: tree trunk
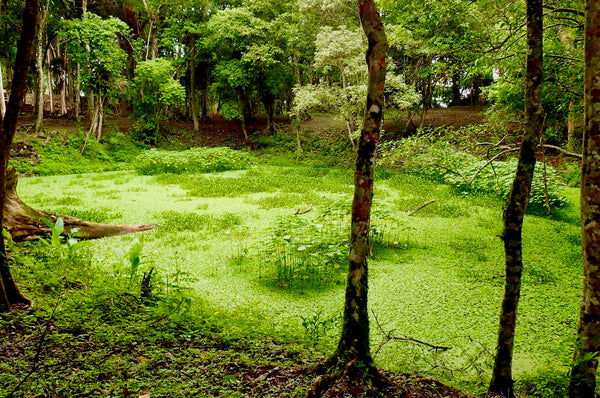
[
  {"x": 246, "y": 112},
  {"x": 100, "y": 123},
  {"x": 353, "y": 354},
  {"x": 268, "y": 103},
  {"x": 193, "y": 94},
  {"x": 585, "y": 361},
  {"x": 9, "y": 293},
  {"x": 50, "y": 92},
  {"x": 77, "y": 93},
  {"x": 63, "y": 80},
  {"x": 2, "y": 101},
  {"x": 39, "y": 91},
  {"x": 502, "y": 382},
  {"x": 25, "y": 223},
  {"x": 571, "y": 125}
]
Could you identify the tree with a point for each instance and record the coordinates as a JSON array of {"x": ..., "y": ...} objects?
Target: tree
[
  {"x": 249, "y": 45},
  {"x": 9, "y": 293},
  {"x": 92, "y": 41},
  {"x": 502, "y": 382},
  {"x": 585, "y": 361},
  {"x": 154, "y": 90},
  {"x": 353, "y": 354}
]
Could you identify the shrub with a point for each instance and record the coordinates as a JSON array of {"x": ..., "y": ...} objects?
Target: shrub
[
  {"x": 197, "y": 160},
  {"x": 436, "y": 157}
]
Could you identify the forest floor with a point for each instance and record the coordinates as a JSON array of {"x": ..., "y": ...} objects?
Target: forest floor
[
  {"x": 217, "y": 131},
  {"x": 199, "y": 365}
]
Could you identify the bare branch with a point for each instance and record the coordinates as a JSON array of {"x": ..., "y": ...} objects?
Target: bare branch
[
  {"x": 411, "y": 212},
  {"x": 570, "y": 154},
  {"x": 298, "y": 211}
]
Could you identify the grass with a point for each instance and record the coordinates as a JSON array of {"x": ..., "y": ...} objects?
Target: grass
[{"x": 437, "y": 276}]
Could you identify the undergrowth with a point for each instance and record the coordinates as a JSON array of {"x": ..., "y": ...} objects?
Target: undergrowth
[
  {"x": 197, "y": 160},
  {"x": 434, "y": 154}
]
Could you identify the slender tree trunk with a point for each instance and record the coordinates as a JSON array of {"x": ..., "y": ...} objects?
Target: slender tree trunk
[
  {"x": 100, "y": 124},
  {"x": 268, "y": 103},
  {"x": 2, "y": 102},
  {"x": 571, "y": 125},
  {"x": 502, "y": 381},
  {"x": 585, "y": 360},
  {"x": 193, "y": 93},
  {"x": 9, "y": 293},
  {"x": 353, "y": 354},
  {"x": 39, "y": 92},
  {"x": 63, "y": 80},
  {"x": 246, "y": 111},
  {"x": 77, "y": 93},
  {"x": 50, "y": 91}
]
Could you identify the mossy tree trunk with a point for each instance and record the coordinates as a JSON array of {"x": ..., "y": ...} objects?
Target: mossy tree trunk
[
  {"x": 353, "y": 354},
  {"x": 9, "y": 293},
  {"x": 502, "y": 381},
  {"x": 585, "y": 361}
]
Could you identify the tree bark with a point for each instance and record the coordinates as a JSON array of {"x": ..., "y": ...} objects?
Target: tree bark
[
  {"x": 77, "y": 93},
  {"x": 571, "y": 124},
  {"x": 2, "y": 102},
  {"x": 246, "y": 112},
  {"x": 585, "y": 360},
  {"x": 50, "y": 91},
  {"x": 502, "y": 381},
  {"x": 9, "y": 293},
  {"x": 353, "y": 353},
  {"x": 39, "y": 91},
  {"x": 269, "y": 104},
  {"x": 63, "y": 80},
  {"x": 25, "y": 223},
  {"x": 193, "y": 93}
]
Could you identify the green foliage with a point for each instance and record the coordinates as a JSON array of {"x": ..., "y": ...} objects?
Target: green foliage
[
  {"x": 317, "y": 325},
  {"x": 174, "y": 221},
  {"x": 197, "y": 160},
  {"x": 92, "y": 41},
  {"x": 435, "y": 157},
  {"x": 301, "y": 253},
  {"x": 571, "y": 174},
  {"x": 61, "y": 154},
  {"x": 153, "y": 91},
  {"x": 549, "y": 383}
]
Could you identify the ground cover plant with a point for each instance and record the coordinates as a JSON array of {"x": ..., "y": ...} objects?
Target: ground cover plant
[{"x": 236, "y": 260}]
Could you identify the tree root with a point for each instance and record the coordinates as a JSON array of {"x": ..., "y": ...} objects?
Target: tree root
[{"x": 336, "y": 371}]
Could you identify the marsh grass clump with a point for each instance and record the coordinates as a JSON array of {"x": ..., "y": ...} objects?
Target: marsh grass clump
[
  {"x": 100, "y": 215},
  {"x": 196, "y": 160},
  {"x": 303, "y": 253},
  {"x": 174, "y": 221}
]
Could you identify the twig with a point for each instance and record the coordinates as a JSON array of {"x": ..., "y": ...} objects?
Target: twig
[
  {"x": 167, "y": 315},
  {"x": 432, "y": 346},
  {"x": 445, "y": 168},
  {"x": 411, "y": 212},
  {"x": 298, "y": 211},
  {"x": 389, "y": 337},
  {"x": 470, "y": 182},
  {"x": 38, "y": 350}
]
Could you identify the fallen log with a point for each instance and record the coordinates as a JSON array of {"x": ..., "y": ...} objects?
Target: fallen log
[{"x": 25, "y": 223}]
